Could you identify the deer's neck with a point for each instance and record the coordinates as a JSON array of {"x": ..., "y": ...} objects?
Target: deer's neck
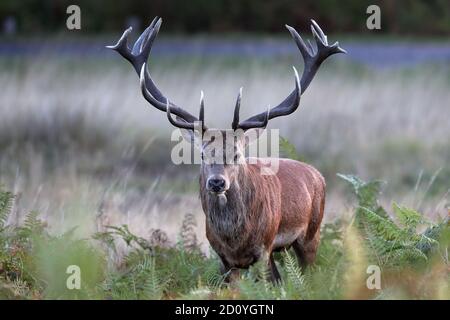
[{"x": 228, "y": 218}]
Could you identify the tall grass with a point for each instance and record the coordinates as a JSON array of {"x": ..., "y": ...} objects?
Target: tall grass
[
  {"x": 413, "y": 263},
  {"x": 77, "y": 140}
]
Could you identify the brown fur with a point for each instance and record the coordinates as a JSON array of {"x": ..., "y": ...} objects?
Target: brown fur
[
  {"x": 248, "y": 215},
  {"x": 261, "y": 207}
]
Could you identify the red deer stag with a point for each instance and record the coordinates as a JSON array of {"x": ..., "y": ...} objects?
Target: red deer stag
[{"x": 249, "y": 215}]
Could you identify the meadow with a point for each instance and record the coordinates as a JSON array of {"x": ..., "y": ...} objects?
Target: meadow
[{"x": 81, "y": 149}]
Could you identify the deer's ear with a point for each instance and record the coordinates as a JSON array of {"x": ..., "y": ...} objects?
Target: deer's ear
[
  {"x": 252, "y": 135},
  {"x": 191, "y": 137}
]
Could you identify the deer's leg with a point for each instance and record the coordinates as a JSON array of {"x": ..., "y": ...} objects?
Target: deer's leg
[
  {"x": 275, "y": 275},
  {"x": 267, "y": 258},
  {"x": 231, "y": 273},
  {"x": 306, "y": 250},
  {"x": 306, "y": 246}
]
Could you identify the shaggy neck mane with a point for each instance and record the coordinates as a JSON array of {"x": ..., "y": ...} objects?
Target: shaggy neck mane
[{"x": 229, "y": 220}]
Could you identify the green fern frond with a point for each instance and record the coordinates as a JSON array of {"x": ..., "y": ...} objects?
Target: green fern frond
[
  {"x": 435, "y": 236},
  {"x": 388, "y": 242},
  {"x": 256, "y": 285},
  {"x": 123, "y": 233},
  {"x": 288, "y": 150},
  {"x": 140, "y": 279},
  {"x": 6, "y": 202},
  {"x": 294, "y": 272},
  {"x": 408, "y": 218},
  {"x": 366, "y": 192},
  {"x": 32, "y": 221},
  {"x": 405, "y": 255},
  {"x": 152, "y": 287},
  {"x": 376, "y": 225},
  {"x": 214, "y": 280}
]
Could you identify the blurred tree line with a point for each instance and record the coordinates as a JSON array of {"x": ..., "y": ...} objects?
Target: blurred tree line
[{"x": 190, "y": 16}]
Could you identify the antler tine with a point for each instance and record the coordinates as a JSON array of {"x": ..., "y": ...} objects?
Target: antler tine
[
  {"x": 302, "y": 47},
  {"x": 122, "y": 45},
  {"x": 288, "y": 106},
  {"x": 201, "y": 115},
  {"x": 138, "y": 57},
  {"x": 237, "y": 107},
  {"x": 142, "y": 49},
  {"x": 316, "y": 29},
  {"x": 142, "y": 41},
  {"x": 313, "y": 58}
]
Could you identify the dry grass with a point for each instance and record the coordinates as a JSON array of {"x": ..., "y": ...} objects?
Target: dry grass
[{"x": 77, "y": 139}]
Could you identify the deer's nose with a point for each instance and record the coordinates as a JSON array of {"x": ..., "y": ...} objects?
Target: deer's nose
[{"x": 216, "y": 184}]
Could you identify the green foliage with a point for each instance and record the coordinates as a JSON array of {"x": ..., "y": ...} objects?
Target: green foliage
[
  {"x": 408, "y": 218},
  {"x": 6, "y": 200},
  {"x": 52, "y": 256},
  {"x": 140, "y": 280},
  {"x": 33, "y": 263},
  {"x": 16, "y": 250},
  {"x": 137, "y": 276},
  {"x": 295, "y": 280},
  {"x": 181, "y": 269},
  {"x": 288, "y": 150},
  {"x": 255, "y": 284},
  {"x": 108, "y": 237},
  {"x": 391, "y": 244},
  {"x": 366, "y": 193}
]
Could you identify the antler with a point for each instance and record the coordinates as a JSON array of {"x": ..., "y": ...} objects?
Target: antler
[
  {"x": 138, "y": 56},
  {"x": 187, "y": 125},
  {"x": 248, "y": 124},
  {"x": 313, "y": 58}
]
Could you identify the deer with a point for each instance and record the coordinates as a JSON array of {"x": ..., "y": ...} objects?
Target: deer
[{"x": 249, "y": 215}]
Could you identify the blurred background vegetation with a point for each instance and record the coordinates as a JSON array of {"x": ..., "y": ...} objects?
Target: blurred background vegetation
[
  {"x": 79, "y": 144},
  {"x": 82, "y": 150},
  {"x": 399, "y": 17}
]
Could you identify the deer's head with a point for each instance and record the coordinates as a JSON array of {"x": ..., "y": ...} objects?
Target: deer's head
[{"x": 223, "y": 150}]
